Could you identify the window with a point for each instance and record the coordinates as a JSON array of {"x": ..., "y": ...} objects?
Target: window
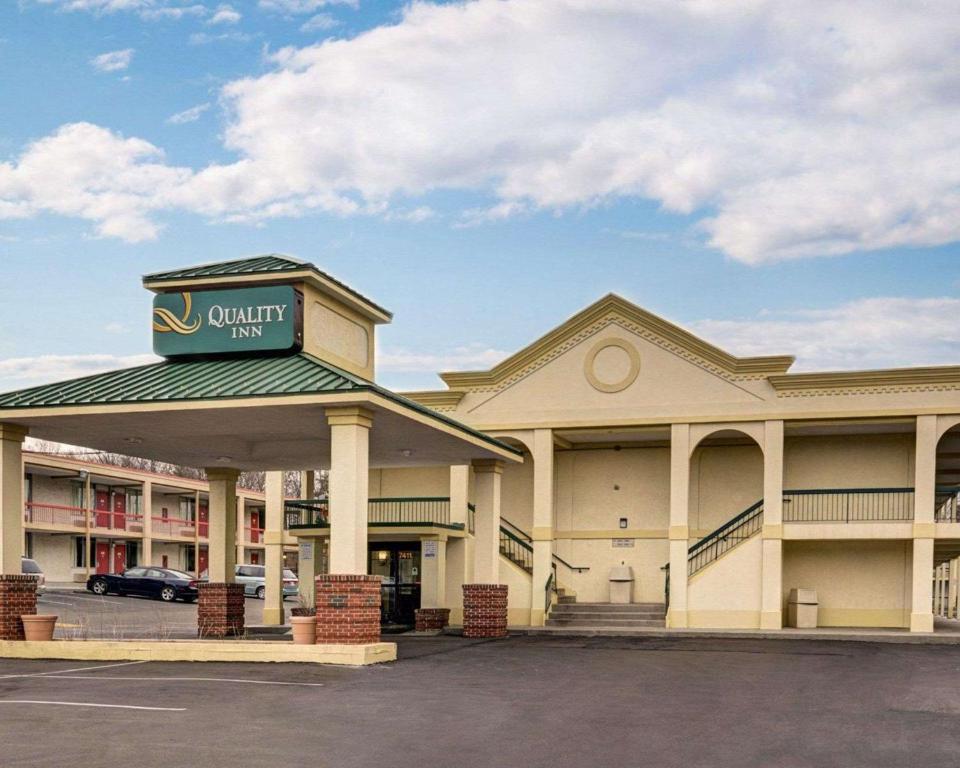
[
  {"x": 29, "y": 547},
  {"x": 79, "y": 552},
  {"x": 134, "y": 502},
  {"x": 153, "y": 573},
  {"x": 132, "y": 550},
  {"x": 28, "y": 487},
  {"x": 187, "y": 508},
  {"x": 76, "y": 494},
  {"x": 135, "y": 573}
]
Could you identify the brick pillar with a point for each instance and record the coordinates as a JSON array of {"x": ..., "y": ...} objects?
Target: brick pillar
[
  {"x": 484, "y": 610},
  {"x": 432, "y": 618},
  {"x": 348, "y": 608},
  {"x": 18, "y": 597},
  {"x": 220, "y": 610}
]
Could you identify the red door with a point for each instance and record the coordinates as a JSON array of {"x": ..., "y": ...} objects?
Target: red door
[
  {"x": 119, "y": 558},
  {"x": 254, "y": 525},
  {"x": 102, "y": 516},
  {"x": 254, "y": 558},
  {"x": 202, "y": 561},
  {"x": 120, "y": 511},
  {"x": 204, "y": 520},
  {"x": 103, "y": 557}
]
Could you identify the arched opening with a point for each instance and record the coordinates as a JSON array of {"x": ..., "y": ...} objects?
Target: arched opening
[{"x": 726, "y": 479}]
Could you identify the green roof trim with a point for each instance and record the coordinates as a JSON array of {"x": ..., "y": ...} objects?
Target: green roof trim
[
  {"x": 215, "y": 379},
  {"x": 267, "y": 264}
]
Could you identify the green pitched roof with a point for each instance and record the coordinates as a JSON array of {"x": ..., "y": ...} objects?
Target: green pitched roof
[
  {"x": 269, "y": 264},
  {"x": 214, "y": 379},
  {"x": 191, "y": 380}
]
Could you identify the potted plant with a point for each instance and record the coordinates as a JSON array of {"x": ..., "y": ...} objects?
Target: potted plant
[
  {"x": 38, "y": 626},
  {"x": 303, "y": 619}
]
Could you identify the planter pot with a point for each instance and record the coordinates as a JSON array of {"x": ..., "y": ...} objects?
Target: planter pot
[
  {"x": 304, "y": 630},
  {"x": 39, "y": 627}
]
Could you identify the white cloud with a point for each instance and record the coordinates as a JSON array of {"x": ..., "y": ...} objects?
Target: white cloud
[
  {"x": 319, "y": 23},
  {"x": 174, "y": 13},
  {"x": 19, "y": 372},
  {"x": 202, "y": 38},
  {"x": 301, "y": 6},
  {"x": 866, "y": 333},
  {"x": 225, "y": 14},
  {"x": 470, "y": 357},
  {"x": 114, "y": 61},
  {"x": 789, "y": 129},
  {"x": 99, "y": 6},
  {"x": 188, "y": 115}
]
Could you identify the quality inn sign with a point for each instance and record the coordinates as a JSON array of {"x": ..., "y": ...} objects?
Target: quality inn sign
[{"x": 228, "y": 322}]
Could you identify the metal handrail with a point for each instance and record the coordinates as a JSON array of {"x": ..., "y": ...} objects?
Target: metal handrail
[
  {"x": 516, "y": 529},
  {"x": 524, "y": 536},
  {"x": 387, "y": 510},
  {"x": 548, "y": 593},
  {"x": 848, "y": 505}
]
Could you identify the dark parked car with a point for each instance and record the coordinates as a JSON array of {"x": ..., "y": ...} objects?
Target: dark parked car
[{"x": 164, "y": 583}]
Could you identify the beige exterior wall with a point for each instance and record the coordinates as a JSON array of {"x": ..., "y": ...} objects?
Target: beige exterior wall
[
  {"x": 55, "y": 556},
  {"x": 727, "y": 593},
  {"x": 858, "y": 583},
  {"x": 849, "y": 461}
]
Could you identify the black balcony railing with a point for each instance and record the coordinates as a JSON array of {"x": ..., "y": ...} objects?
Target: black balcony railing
[
  {"x": 947, "y": 505},
  {"x": 397, "y": 512},
  {"x": 848, "y": 505}
]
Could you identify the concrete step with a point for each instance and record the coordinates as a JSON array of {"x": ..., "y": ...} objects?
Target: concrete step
[
  {"x": 596, "y": 616},
  {"x": 614, "y": 607},
  {"x": 605, "y": 622}
]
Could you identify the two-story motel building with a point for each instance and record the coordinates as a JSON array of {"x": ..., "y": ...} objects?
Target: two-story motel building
[{"x": 723, "y": 482}]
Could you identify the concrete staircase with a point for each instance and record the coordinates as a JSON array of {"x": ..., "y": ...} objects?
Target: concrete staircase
[{"x": 606, "y": 615}]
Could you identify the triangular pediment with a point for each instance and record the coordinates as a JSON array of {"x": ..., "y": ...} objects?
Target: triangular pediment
[{"x": 611, "y": 356}]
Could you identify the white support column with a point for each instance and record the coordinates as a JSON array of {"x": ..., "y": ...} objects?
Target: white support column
[
  {"x": 222, "y": 511},
  {"x": 11, "y": 498},
  {"x": 488, "y": 473},
  {"x": 88, "y": 516},
  {"x": 273, "y": 545},
  {"x": 542, "y": 533},
  {"x": 679, "y": 523},
  {"x": 921, "y": 616},
  {"x": 349, "y": 488},
  {"x": 146, "y": 509},
  {"x": 771, "y": 608},
  {"x": 459, "y": 493},
  {"x": 433, "y": 564},
  {"x": 459, "y": 551},
  {"x": 952, "y": 597},
  {"x": 196, "y": 534}
]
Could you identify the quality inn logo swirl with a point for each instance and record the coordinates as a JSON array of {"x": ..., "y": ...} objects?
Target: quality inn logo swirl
[{"x": 166, "y": 322}]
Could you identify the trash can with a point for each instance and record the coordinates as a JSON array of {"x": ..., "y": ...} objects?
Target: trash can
[
  {"x": 802, "y": 606},
  {"x": 621, "y": 584}
]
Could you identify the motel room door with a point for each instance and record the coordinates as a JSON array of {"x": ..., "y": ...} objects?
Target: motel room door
[
  {"x": 119, "y": 557},
  {"x": 204, "y": 560},
  {"x": 204, "y": 521},
  {"x": 102, "y": 507},
  {"x": 102, "y": 557},
  {"x": 120, "y": 511}
]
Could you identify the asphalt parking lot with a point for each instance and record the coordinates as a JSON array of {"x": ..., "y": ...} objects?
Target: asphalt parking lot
[
  {"x": 520, "y": 701},
  {"x": 84, "y": 615}
]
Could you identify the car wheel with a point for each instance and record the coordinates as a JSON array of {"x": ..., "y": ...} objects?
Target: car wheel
[
  {"x": 168, "y": 594},
  {"x": 99, "y": 587},
  {"x": 261, "y": 593}
]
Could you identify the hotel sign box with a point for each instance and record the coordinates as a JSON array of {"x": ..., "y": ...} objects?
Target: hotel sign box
[{"x": 266, "y": 319}]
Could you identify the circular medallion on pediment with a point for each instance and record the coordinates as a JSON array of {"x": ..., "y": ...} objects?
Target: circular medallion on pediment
[{"x": 612, "y": 365}]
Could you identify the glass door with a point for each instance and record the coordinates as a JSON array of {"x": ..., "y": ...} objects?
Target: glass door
[{"x": 398, "y": 566}]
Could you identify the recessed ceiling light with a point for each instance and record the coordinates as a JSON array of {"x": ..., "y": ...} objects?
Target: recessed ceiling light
[
  {"x": 133, "y": 440},
  {"x": 406, "y": 452},
  {"x": 224, "y": 459}
]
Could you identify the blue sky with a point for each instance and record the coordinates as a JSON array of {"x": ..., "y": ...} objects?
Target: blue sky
[{"x": 777, "y": 181}]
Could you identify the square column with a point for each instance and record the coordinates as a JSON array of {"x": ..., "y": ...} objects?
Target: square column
[
  {"x": 146, "y": 509},
  {"x": 273, "y": 544},
  {"x": 952, "y": 594},
  {"x": 11, "y": 498},
  {"x": 222, "y": 553},
  {"x": 349, "y": 488},
  {"x": 488, "y": 474},
  {"x": 921, "y": 612},
  {"x": 679, "y": 523},
  {"x": 433, "y": 576},
  {"x": 220, "y": 610},
  {"x": 771, "y": 608},
  {"x": 459, "y": 551},
  {"x": 542, "y": 533}
]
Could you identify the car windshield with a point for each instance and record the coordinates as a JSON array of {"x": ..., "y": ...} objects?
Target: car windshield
[
  {"x": 179, "y": 574},
  {"x": 29, "y": 566},
  {"x": 288, "y": 574}
]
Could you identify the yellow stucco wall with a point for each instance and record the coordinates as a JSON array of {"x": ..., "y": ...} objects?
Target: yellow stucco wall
[
  {"x": 858, "y": 583},
  {"x": 849, "y": 461},
  {"x": 726, "y": 594}
]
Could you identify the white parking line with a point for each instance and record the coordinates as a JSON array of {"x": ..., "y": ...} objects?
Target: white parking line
[
  {"x": 75, "y": 669},
  {"x": 91, "y": 704}
]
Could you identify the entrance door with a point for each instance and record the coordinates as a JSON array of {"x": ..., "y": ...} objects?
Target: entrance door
[
  {"x": 102, "y": 559},
  {"x": 119, "y": 558},
  {"x": 204, "y": 560},
  {"x": 204, "y": 520},
  {"x": 398, "y": 565},
  {"x": 254, "y": 527},
  {"x": 120, "y": 511},
  {"x": 102, "y": 507},
  {"x": 254, "y": 558}
]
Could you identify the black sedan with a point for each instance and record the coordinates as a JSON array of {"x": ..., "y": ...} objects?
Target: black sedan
[{"x": 164, "y": 583}]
